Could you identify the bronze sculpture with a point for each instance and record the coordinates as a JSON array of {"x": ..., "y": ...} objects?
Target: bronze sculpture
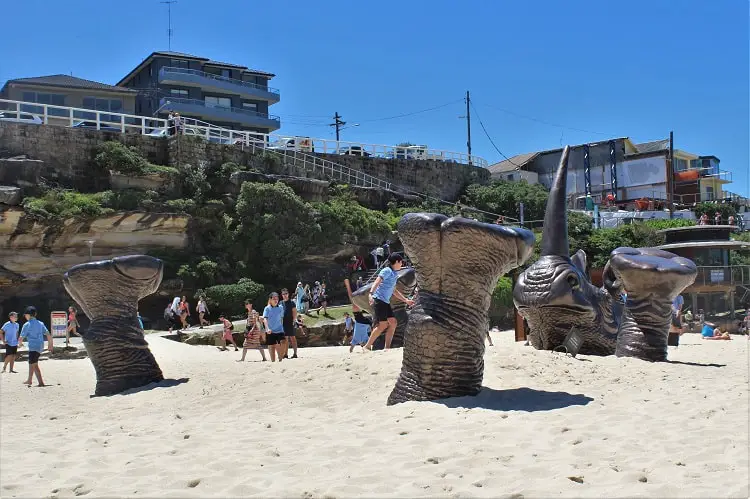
[
  {"x": 556, "y": 296},
  {"x": 457, "y": 262},
  {"x": 108, "y": 292}
]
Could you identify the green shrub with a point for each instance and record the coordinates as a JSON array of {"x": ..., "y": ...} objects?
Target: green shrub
[
  {"x": 129, "y": 199},
  {"x": 661, "y": 224},
  {"x": 344, "y": 215},
  {"x": 113, "y": 155},
  {"x": 59, "y": 205},
  {"x": 230, "y": 298},
  {"x": 181, "y": 205}
]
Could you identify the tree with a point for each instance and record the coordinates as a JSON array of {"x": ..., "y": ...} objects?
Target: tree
[
  {"x": 503, "y": 197},
  {"x": 274, "y": 227},
  {"x": 230, "y": 298}
]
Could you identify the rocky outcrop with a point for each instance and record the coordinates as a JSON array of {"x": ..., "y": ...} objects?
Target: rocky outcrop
[
  {"x": 20, "y": 171},
  {"x": 10, "y": 195},
  {"x": 153, "y": 182},
  {"x": 31, "y": 250},
  {"x": 314, "y": 190}
]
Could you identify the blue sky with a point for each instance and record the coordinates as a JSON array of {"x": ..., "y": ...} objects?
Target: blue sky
[{"x": 541, "y": 72}]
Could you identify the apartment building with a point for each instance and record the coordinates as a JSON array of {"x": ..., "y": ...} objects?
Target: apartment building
[
  {"x": 631, "y": 171},
  {"x": 221, "y": 93}
]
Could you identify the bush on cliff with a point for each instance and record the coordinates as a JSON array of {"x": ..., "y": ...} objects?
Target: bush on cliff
[
  {"x": 342, "y": 217},
  {"x": 57, "y": 205},
  {"x": 115, "y": 156},
  {"x": 504, "y": 198},
  {"x": 274, "y": 227},
  {"x": 230, "y": 299}
]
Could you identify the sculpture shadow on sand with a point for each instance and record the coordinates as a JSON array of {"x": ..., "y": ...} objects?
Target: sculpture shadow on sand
[
  {"x": 167, "y": 383},
  {"x": 517, "y": 399}
]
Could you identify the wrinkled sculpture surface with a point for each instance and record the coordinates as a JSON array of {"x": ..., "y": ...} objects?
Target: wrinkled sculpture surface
[
  {"x": 407, "y": 281},
  {"x": 555, "y": 294},
  {"x": 457, "y": 262},
  {"x": 108, "y": 292}
]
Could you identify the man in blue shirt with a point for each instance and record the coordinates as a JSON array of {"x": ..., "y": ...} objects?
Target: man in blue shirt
[
  {"x": 273, "y": 319},
  {"x": 34, "y": 331},
  {"x": 381, "y": 292},
  {"x": 10, "y": 338}
]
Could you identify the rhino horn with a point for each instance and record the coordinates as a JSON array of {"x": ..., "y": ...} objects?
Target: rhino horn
[{"x": 555, "y": 235}]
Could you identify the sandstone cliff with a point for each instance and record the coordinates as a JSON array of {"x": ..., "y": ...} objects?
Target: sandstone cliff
[{"x": 30, "y": 250}]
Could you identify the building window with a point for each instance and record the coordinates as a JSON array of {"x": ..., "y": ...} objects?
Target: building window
[
  {"x": 709, "y": 193},
  {"x": 179, "y": 92},
  {"x": 179, "y": 63},
  {"x": 218, "y": 101},
  {"x": 43, "y": 98},
  {"x": 680, "y": 165},
  {"x": 250, "y": 106},
  {"x": 100, "y": 104},
  {"x": 226, "y": 73}
]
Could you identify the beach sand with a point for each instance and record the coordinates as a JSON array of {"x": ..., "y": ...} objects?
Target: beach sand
[{"x": 318, "y": 426}]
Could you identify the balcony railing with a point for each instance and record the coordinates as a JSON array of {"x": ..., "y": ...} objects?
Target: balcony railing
[
  {"x": 203, "y": 74},
  {"x": 737, "y": 275},
  {"x": 195, "y": 102}
]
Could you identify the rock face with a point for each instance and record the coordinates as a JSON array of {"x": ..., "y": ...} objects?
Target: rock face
[
  {"x": 120, "y": 182},
  {"x": 108, "y": 292},
  {"x": 314, "y": 190},
  {"x": 20, "y": 171},
  {"x": 30, "y": 250},
  {"x": 9, "y": 195}
]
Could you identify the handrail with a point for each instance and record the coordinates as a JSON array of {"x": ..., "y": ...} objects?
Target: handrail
[
  {"x": 74, "y": 115},
  {"x": 734, "y": 275},
  {"x": 147, "y": 125},
  {"x": 196, "y": 102},
  {"x": 170, "y": 69}
]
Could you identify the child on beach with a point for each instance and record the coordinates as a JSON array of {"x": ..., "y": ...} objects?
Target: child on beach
[
  {"x": 361, "y": 332},
  {"x": 252, "y": 337},
  {"x": 73, "y": 321},
  {"x": 348, "y": 327},
  {"x": 34, "y": 331},
  {"x": 10, "y": 339},
  {"x": 273, "y": 318},
  {"x": 226, "y": 335}
]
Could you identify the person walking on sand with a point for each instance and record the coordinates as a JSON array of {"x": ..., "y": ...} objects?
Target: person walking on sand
[
  {"x": 348, "y": 326},
  {"x": 184, "y": 308},
  {"x": 202, "y": 309},
  {"x": 290, "y": 317},
  {"x": 34, "y": 331},
  {"x": 273, "y": 318},
  {"x": 299, "y": 297},
  {"x": 252, "y": 336},
  {"x": 226, "y": 334},
  {"x": 380, "y": 298},
  {"x": 73, "y": 321},
  {"x": 10, "y": 340}
]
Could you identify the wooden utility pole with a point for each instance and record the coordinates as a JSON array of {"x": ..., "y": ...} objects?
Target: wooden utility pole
[
  {"x": 338, "y": 124},
  {"x": 468, "y": 126}
]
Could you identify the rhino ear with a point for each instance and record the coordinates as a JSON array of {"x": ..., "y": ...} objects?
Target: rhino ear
[{"x": 579, "y": 260}]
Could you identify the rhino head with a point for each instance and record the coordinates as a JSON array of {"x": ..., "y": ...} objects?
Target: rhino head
[{"x": 555, "y": 294}]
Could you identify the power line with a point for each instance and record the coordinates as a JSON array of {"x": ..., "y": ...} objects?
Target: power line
[
  {"x": 490, "y": 138},
  {"x": 404, "y": 115},
  {"x": 531, "y": 118}
]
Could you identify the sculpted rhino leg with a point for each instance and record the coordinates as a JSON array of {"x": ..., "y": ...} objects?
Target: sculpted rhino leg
[
  {"x": 652, "y": 279},
  {"x": 108, "y": 292},
  {"x": 457, "y": 263}
]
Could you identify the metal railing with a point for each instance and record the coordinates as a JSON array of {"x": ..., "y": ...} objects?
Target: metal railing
[
  {"x": 203, "y": 74},
  {"x": 318, "y": 166},
  {"x": 196, "y": 102},
  {"x": 48, "y": 114},
  {"x": 737, "y": 275},
  {"x": 105, "y": 120}
]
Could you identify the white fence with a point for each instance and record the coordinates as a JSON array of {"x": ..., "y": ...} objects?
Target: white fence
[{"x": 30, "y": 112}]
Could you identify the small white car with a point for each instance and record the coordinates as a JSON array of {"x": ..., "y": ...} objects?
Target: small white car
[{"x": 22, "y": 118}]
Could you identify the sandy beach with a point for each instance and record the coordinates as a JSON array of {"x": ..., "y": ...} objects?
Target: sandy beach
[{"x": 545, "y": 425}]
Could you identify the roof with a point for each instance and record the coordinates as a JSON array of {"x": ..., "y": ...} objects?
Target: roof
[
  {"x": 205, "y": 60},
  {"x": 706, "y": 244},
  {"x": 67, "y": 81},
  {"x": 513, "y": 163},
  {"x": 654, "y": 146}
]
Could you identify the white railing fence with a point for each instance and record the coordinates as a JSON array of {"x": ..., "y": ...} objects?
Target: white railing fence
[
  {"x": 78, "y": 117},
  {"x": 127, "y": 123}
]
